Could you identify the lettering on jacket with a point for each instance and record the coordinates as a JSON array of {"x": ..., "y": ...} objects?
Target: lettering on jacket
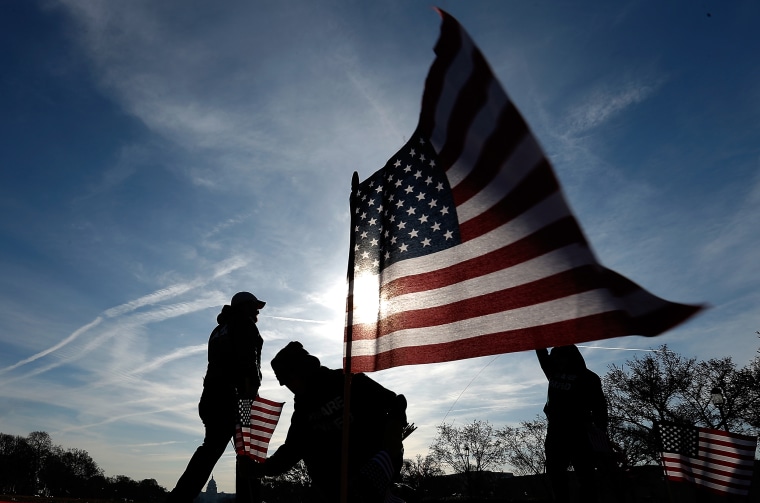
[
  {"x": 329, "y": 416},
  {"x": 563, "y": 382}
]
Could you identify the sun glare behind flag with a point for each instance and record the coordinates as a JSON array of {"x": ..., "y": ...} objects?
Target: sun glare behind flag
[
  {"x": 256, "y": 423},
  {"x": 714, "y": 459},
  {"x": 463, "y": 244}
]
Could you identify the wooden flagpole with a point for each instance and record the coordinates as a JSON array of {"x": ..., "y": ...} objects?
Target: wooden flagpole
[{"x": 347, "y": 364}]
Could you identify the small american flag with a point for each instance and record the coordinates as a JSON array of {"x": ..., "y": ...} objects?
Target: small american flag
[
  {"x": 257, "y": 421},
  {"x": 714, "y": 459},
  {"x": 464, "y": 245}
]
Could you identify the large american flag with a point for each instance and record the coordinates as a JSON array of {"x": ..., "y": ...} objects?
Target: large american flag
[
  {"x": 256, "y": 423},
  {"x": 464, "y": 245},
  {"x": 714, "y": 459}
]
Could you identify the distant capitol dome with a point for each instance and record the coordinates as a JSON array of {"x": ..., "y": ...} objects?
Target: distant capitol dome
[{"x": 211, "y": 487}]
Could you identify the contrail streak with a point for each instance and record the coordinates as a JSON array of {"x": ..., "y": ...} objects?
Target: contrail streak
[
  {"x": 621, "y": 349},
  {"x": 223, "y": 268},
  {"x": 51, "y": 349},
  {"x": 468, "y": 385},
  {"x": 283, "y": 318}
]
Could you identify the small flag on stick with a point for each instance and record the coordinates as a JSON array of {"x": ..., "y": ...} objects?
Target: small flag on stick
[
  {"x": 463, "y": 244},
  {"x": 717, "y": 460},
  {"x": 257, "y": 421}
]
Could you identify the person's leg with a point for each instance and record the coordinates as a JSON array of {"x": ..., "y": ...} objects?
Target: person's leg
[
  {"x": 585, "y": 470},
  {"x": 199, "y": 469},
  {"x": 587, "y": 490},
  {"x": 557, "y": 462},
  {"x": 247, "y": 482}
]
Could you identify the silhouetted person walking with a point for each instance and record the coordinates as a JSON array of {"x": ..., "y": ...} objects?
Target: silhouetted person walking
[
  {"x": 234, "y": 372},
  {"x": 575, "y": 403},
  {"x": 378, "y": 417}
]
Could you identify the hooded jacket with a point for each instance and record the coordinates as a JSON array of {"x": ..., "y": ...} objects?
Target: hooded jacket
[
  {"x": 315, "y": 433},
  {"x": 234, "y": 354},
  {"x": 575, "y": 397}
]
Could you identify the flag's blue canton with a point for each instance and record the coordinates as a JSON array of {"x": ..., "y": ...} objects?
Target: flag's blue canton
[
  {"x": 405, "y": 210},
  {"x": 679, "y": 439}
]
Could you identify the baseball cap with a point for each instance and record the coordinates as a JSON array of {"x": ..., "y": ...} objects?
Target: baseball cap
[{"x": 241, "y": 298}]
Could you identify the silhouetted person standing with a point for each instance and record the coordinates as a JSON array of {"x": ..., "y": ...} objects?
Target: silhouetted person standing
[
  {"x": 575, "y": 403},
  {"x": 233, "y": 372},
  {"x": 378, "y": 417}
]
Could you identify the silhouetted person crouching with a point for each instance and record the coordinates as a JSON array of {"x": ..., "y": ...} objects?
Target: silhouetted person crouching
[{"x": 378, "y": 417}]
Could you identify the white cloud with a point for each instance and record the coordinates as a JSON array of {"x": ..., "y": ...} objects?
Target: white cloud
[
  {"x": 731, "y": 240},
  {"x": 607, "y": 101}
]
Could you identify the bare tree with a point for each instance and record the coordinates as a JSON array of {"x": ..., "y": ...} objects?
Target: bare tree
[
  {"x": 17, "y": 465},
  {"x": 665, "y": 386},
  {"x": 42, "y": 446},
  {"x": 643, "y": 391},
  {"x": 736, "y": 391},
  {"x": 415, "y": 472},
  {"x": 298, "y": 475},
  {"x": 292, "y": 485},
  {"x": 472, "y": 447},
  {"x": 524, "y": 446},
  {"x": 750, "y": 384}
]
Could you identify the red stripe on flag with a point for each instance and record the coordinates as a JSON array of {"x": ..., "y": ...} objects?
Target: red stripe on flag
[
  {"x": 510, "y": 130},
  {"x": 534, "y": 188},
  {"x": 495, "y": 343}
]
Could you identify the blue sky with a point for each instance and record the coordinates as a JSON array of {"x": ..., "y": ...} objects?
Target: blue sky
[{"x": 157, "y": 157}]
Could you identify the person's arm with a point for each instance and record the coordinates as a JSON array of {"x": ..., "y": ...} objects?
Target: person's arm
[
  {"x": 599, "y": 414},
  {"x": 246, "y": 345},
  {"x": 285, "y": 457},
  {"x": 544, "y": 361}
]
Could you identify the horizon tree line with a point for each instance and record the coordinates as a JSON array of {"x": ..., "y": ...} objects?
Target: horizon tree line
[{"x": 33, "y": 465}]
